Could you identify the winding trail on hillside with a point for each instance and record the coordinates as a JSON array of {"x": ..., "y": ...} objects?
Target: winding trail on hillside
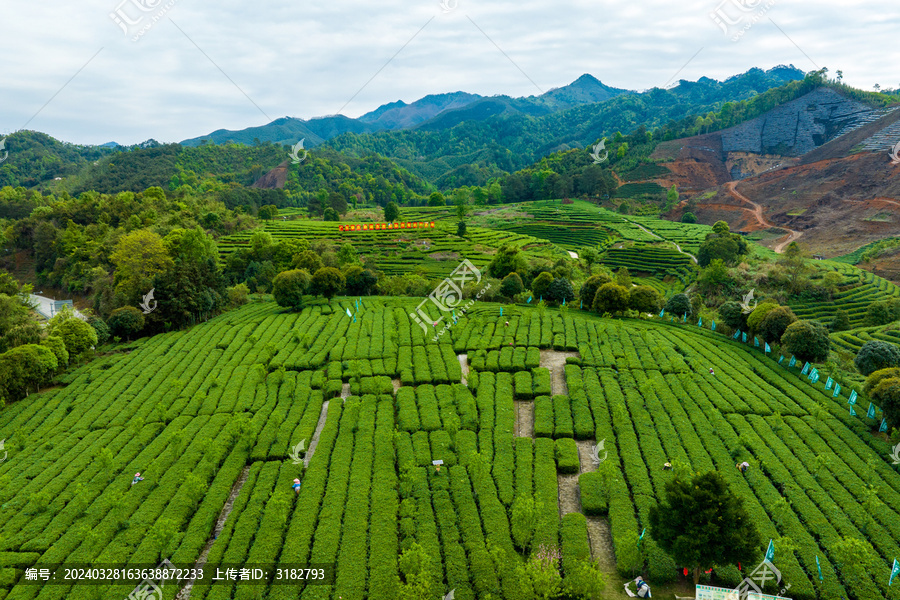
[
  {"x": 464, "y": 367},
  {"x": 569, "y": 498},
  {"x": 659, "y": 237},
  {"x": 757, "y": 211},
  {"x": 185, "y": 592},
  {"x": 315, "y": 440}
]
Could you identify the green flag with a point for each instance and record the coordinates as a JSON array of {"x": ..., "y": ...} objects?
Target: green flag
[
  {"x": 828, "y": 383},
  {"x": 894, "y": 570},
  {"x": 780, "y": 358},
  {"x": 700, "y": 322},
  {"x": 871, "y": 412},
  {"x": 837, "y": 390},
  {"x": 661, "y": 313},
  {"x": 642, "y": 535},
  {"x": 743, "y": 337},
  {"x": 713, "y": 326},
  {"x": 755, "y": 342},
  {"x": 852, "y": 412},
  {"x": 883, "y": 426},
  {"x": 793, "y": 361},
  {"x": 770, "y": 552},
  {"x": 819, "y": 568},
  {"x": 853, "y": 397}
]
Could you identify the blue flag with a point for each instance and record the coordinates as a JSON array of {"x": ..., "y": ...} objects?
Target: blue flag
[
  {"x": 780, "y": 358},
  {"x": 793, "y": 362},
  {"x": 871, "y": 412},
  {"x": 700, "y": 322},
  {"x": 582, "y": 304},
  {"x": 744, "y": 337},
  {"x": 819, "y": 568},
  {"x": 894, "y": 571},
  {"x": 770, "y": 552},
  {"x": 349, "y": 314},
  {"x": 684, "y": 318},
  {"x": 805, "y": 369},
  {"x": 837, "y": 390},
  {"x": 829, "y": 383},
  {"x": 662, "y": 312},
  {"x": 814, "y": 372},
  {"x": 642, "y": 535},
  {"x": 755, "y": 342},
  {"x": 853, "y": 397},
  {"x": 713, "y": 326},
  {"x": 564, "y": 301},
  {"x": 815, "y": 377},
  {"x": 883, "y": 426},
  {"x": 767, "y": 348},
  {"x": 354, "y": 318},
  {"x": 852, "y": 412},
  {"x": 528, "y": 301},
  {"x": 736, "y": 335}
]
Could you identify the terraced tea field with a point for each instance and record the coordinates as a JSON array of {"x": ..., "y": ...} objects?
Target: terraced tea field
[
  {"x": 857, "y": 291},
  {"x": 212, "y": 418}
]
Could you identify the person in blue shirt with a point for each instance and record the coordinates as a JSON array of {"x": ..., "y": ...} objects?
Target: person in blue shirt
[
  {"x": 137, "y": 477},
  {"x": 296, "y": 486}
]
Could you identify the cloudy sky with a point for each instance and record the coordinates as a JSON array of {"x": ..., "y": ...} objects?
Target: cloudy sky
[{"x": 176, "y": 69}]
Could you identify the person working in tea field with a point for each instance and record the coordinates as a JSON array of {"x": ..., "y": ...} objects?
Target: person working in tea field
[
  {"x": 743, "y": 466},
  {"x": 711, "y": 372},
  {"x": 137, "y": 477},
  {"x": 296, "y": 486},
  {"x": 667, "y": 467}
]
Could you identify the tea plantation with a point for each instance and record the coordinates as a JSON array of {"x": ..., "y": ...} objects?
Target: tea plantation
[{"x": 213, "y": 416}]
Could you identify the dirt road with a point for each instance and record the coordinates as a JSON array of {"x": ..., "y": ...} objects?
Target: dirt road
[{"x": 761, "y": 218}]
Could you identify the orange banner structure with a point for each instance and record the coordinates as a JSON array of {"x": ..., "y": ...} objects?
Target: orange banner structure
[{"x": 383, "y": 226}]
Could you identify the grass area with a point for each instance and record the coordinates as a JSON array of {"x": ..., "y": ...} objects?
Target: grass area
[{"x": 195, "y": 411}]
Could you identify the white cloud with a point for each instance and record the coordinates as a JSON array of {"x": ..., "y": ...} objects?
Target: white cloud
[{"x": 304, "y": 58}]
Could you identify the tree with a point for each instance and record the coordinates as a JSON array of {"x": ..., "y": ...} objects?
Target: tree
[
  {"x": 101, "y": 328},
  {"x": 191, "y": 245},
  {"x": 733, "y": 315},
  {"x": 25, "y": 367},
  {"x": 714, "y": 278},
  {"x": 887, "y": 395},
  {"x": 721, "y": 227},
  {"x": 347, "y": 255},
  {"x": 308, "y": 260},
  {"x": 840, "y": 322},
  {"x": 589, "y": 288},
  {"x": 267, "y": 212},
  {"x": 507, "y": 260},
  {"x": 391, "y": 212},
  {"x": 436, "y": 199},
  {"x": 623, "y": 277},
  {"x": 327, "y": 282},
  {"x": 462, "y": 207},
  {"x": 755, "y": 318},
  {"x": 288, "y": 288},
  {"x": 883, "y": 312},
  {"x": 139, "y": 256},
  {"x": 360, "y": 282},
  {"x": 775, "y": 323},
  {"x": 589, "y": 255},
  {"x": 794, "y": 261},
  {"x": 512, "y": 285},
  {"x": 644, "y": 299},
  {"x": 702, "y": 523},
  {"x": 337, "y": 202},
  {"x": 58, "y": 347},
  {"x": 419, "y": 576},
  {"x": 17, "y": 326},
  {"x": 688, "y": 217},
  {"x": 541, "y": 284},
  {"x": 126, "y": 321},
  {"x": 611, "y": 298},
  {"x": 461, "y": 229},
  {"x": 807, "y": 340},
  {"x": 679, "y": 305},
  {"x": 78, "y": 336},
  {"x": 561, "y": 290},
  {"x": 330, "y": 215},
  {"x": 875, "y": 355},
  {"x": 672, "y": 197},
  {"x": 237, "y": 295}
]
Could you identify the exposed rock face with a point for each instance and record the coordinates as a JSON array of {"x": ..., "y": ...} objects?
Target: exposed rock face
[{"x": 799, "y": 126}]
